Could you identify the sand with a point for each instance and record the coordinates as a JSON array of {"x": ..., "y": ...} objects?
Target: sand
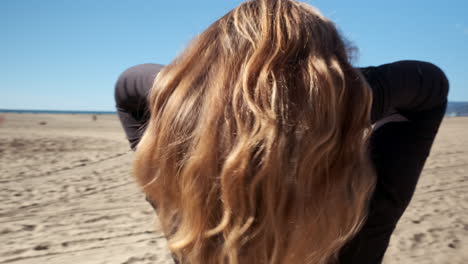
[{"x": 68, "y": 196}]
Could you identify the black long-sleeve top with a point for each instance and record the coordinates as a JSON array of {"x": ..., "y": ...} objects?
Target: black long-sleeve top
[{"x": 415, "y": 90}]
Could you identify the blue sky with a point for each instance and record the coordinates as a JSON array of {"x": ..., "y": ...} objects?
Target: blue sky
[{"x": 67, "y": 54}]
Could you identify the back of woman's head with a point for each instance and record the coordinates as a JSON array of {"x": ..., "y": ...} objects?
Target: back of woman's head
[{"x": 256, "y": 150}]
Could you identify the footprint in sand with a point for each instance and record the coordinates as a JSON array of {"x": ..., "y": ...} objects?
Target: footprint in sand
[
  {"x": 419, "y": 237},
  {"x": 44, "y": 246},
  {"x": 454, "y": 244},
  {"x": 29, "y": 227}
]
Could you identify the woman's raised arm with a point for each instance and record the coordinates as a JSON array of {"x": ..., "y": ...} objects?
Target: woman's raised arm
[
  {"x": 131, "y": 91},
  {"x": 418, "y": 91},
  {"x": 411, "y": 88}
]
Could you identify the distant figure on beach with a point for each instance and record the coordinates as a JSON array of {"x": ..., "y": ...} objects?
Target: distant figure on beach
[
  {"x": 94, "y": 117},
  {"x": 261, "y": 143}
]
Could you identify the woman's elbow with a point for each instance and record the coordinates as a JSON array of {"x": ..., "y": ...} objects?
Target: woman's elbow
[
  {"x": 134, "y": 84},
  {"x": 434, "y": 76}
]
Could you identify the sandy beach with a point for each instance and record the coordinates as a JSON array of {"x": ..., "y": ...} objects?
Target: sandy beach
[{"x": 68, "y": 196}]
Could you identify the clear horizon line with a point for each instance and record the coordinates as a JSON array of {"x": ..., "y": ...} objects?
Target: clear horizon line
[{"x": 4, "y": 110}]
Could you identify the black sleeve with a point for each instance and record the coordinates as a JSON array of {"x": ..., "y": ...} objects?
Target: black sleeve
[
  {"x": 131, "y": 91},
  {"x": 418, "y": 91},
  {"x": 410, "y": 88}
]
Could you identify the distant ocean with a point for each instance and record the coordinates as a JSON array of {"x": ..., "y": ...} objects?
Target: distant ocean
[
  {"x": 57, "y": 112},
  {"x": 453, "y": 109},
  {"x": 457, "y": 109}
]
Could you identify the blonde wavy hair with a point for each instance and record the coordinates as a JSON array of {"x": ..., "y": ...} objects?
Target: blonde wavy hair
[{"x": 256, "y": 149}]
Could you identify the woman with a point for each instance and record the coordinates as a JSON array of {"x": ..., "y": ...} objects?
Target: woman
[{"x": 257, "y": 143}]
